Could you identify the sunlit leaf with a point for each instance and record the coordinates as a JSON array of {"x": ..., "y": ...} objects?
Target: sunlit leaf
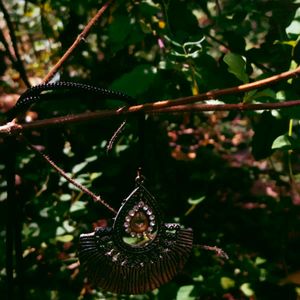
[
  {"x": 199, "y": 278},
  {"x": 95, "y": 175},
  {"x": 31, "y": 230},
  {"x": 44, "y": 212},
  {"x": 65, "y": 197},
  {"x": 67, "y": 226},
  {"x": 65, "y": 238},
  {"x": 3, "y": 196},
  {"x": 227, "y": 283},
  {"x": 260, "y": 260},
  {"x": 77, "y": 168},
  {"x": 282, "y": 142},
  {"x": 236, "y": 66},
  {"x": 91, "y": 158},
  {"x": 294, "y": 27},
  {"x": 60, "y": 231},
  {"x": 120, "y": 148},
  {"x": 246, "y": 289},
  {"x": 77, "y": 206},
  {"x": 184, "y": 293},
  {"x": 196, "y": 201}
]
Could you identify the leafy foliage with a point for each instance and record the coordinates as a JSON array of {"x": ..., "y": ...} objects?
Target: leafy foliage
[{"x": 232, "y": 177}]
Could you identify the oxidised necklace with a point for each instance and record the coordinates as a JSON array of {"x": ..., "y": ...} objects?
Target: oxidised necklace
[{"x": 139, "y": 252}]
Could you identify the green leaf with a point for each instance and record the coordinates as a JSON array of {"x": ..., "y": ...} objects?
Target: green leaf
[
  {"x": 77, "y": 168},
  {"x": 44, "y": 212},
  {"x": 67, "y": 226},
  {"x": 77, "y": 206},
  {"x": 119, "y": 29},
  {"x": 196, "y": 201},
  {"x": 184, "y": 293},
  {"x": 198, "y": 278},
  {"x": 31, "y": 230},
  {"x": 65, "y": 238},
  {"x": 294, "y": 27},
  {"x": 227, "y": 283},
  {"x": 95, "y": 175},
  {"x": 236, "y": 66},
  {"x": 120, "y": 148},
  {"x": 91, "y": 158},
  {"x": 282, "y": 142},
  {"x": 259, "y": 261},
  {"x": 245, "y": 288},
  {"x": 3, "y": 196},
  {"x": 136, "y": 82},
  {"x": 65, "y": 197},
  {"x": 60, "y": 231}
]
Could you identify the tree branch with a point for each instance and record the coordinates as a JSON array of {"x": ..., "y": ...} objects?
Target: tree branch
[
  {"x": 158, "y": 106},
  {"x": 13, "y": 128},
  {"x": 78, "y": 40}
]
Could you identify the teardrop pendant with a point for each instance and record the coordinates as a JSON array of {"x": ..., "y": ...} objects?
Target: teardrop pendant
[{"x": 140, "y": 252}]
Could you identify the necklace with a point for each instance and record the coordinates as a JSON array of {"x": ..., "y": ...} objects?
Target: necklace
[{"x": 139, "y": 252}]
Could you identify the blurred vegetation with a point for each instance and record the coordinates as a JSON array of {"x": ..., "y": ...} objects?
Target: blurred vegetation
[{"x": 233, "y": 177}]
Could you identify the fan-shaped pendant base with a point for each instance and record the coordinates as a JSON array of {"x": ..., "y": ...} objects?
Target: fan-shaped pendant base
[
  {"x": 125, "y": 273},
  {"x": 139, "y": 253}
]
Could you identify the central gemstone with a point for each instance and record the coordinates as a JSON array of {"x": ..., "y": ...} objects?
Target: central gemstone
[{"x": 139, "y": 222}]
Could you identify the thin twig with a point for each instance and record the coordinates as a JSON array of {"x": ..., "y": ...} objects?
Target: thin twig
[
  {"x": 81, "y": 37},
  {"x": 115, "y": 136},
  {"x": 68, "y": 178},
  {"x": 216, "y": 249}
]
